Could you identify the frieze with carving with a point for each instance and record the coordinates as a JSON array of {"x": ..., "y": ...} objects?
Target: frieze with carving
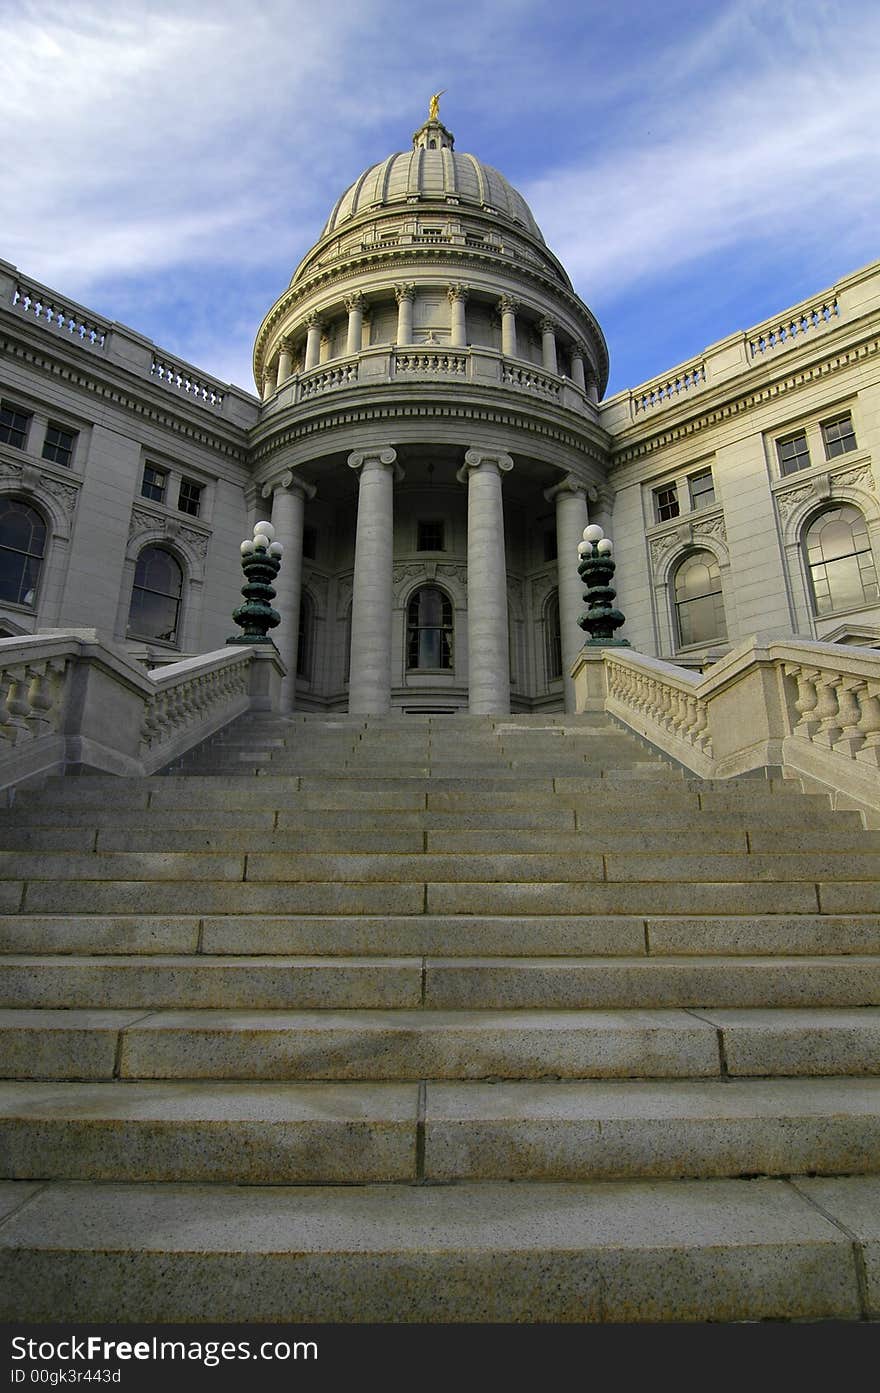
[
  {"x": 66, "y": 494},
  {"x": 860, "y": 477},
  {"x": 143, "y": 521}
]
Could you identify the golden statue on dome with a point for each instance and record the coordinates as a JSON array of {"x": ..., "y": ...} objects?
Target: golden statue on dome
[{"x": 434, "y": 106}]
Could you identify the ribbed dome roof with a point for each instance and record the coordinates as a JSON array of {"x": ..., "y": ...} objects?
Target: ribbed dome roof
[{"x": 433, "y": 170}]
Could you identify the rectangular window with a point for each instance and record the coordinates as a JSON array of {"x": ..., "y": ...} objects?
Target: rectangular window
[
  {"x": 793, "y": 453},
  {"x": 189, "y": 500},
  {"x": 310, "y": 543},
  {"x": 839, "y": 436},
  {"x": 701, "y": 489},
  {"x": 58, "y": 445},
  {"x": 666, "y": 503},
  {"x": 430, "y": 536},
  {"x": 13, "y": 425},
  {"x": 154, "y": 483},
  {"x": 550, "y": 546}
]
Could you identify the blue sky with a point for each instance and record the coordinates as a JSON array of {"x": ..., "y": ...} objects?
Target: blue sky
[{"x": 696, "y": 167}]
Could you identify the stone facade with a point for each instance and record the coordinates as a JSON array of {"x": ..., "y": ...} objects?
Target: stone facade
[{"x": 430, "y": 439}]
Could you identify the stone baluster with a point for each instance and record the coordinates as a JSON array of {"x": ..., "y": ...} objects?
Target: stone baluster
[
  {"x": 570, "y": 498},
  {"x": 807, "y": 699},
  {"x": 869, "y": 725},
  {"x": 507, "y": 308},
  {"x": 405, "y": 296},
  {"x": 548, "y": 345},
  {"x": 827, "y": 709},
  {"x": 457, "y": 295},
  {"x": 289, "y": 495},
  {"x": 370, "y": 661},
  {"x": 488, "y": 641},
  {"x": 285, "y": 361},
  {"x": 849, "y": 712},
  {"x": 314, "y": 329},
  {"x": 355, "y": 305}
]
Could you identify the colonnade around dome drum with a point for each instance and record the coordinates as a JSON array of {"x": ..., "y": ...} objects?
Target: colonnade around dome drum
[{"x": 487, "y": 540}]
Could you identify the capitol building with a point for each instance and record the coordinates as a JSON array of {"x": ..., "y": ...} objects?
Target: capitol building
[{"x": 429, "y": 437}]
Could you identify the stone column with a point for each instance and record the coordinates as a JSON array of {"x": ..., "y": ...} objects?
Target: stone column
[
  {"x": 405, "y": 295},
  {"x": 355, "y": 304},
  {"x": 289, "y": 496},
  {"x": 285, "y": 361},
  {"x": 369, "y": 681},
  {"x": 458, "y": 295},
  {"x": 578, "y": 353},
  {"x": 593, "y": 387},
  {"x": 570, "y": 498},
  {"x": 488, "y": 643},
  {"x": 548, "y": 344},
  {"x": 270, "y": 382},
  {"x": 507, "y": 308},
  {"x": 314, "y": 328}
]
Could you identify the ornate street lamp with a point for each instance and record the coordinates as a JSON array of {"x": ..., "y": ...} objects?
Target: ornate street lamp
[
  {"x": 596, "y": 569},
  {"x": 261, "y": 562}
]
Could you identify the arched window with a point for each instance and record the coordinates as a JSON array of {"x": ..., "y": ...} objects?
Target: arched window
[
  {"x": 305, "y": 641},
  {"x": 22, "y": 544},
  {"x": 429, "y": 629},
  {"x": 552, "y": 637},
  {"x": 838, "y": 552},
  {"x": 699, "y": 605},
  {"x": 155, "y": 598}
]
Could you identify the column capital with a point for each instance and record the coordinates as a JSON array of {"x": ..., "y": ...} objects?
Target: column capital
[
  {"x": 569, "y": 485},
  {"x": 547, "y": 325},
  {"x": 357, "y": 301},
  {"x": 474, "y": 458},
  {"x": 508, "y": 304},
  {"x": 289, "y": 480},
  {"x": 405, "y": 291},
  {"x": 457, "y": 291},
  {"x": 579, "y": 349},
  {"x": 381, "y": 456},
  {"x": 314, "y": 320}
]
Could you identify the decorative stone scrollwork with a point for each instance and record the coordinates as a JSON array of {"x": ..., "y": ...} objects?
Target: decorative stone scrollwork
[
  {"x": 405, "y": 291},
  {"x": 66, "y": 494},
  {"x": 143, "y": 521},
  {"x": 457, "y": 291},
  {"x": 790, "y": 499}
]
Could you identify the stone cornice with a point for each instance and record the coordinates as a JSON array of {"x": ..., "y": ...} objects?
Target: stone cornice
[
  {"x": 333, "y": 416},
  {"x": 432, "y": 254},
  {"x": 145, "y": 404},
  {"x": 744, "y": 401}
]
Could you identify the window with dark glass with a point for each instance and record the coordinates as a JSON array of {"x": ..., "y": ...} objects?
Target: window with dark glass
[
  {"x": 429, "y": 629},
  {"x": 310, "y": 543},
  {"x": 155, "y": 597},
  {"x": 550, "y": 549},
  {"x": 430, "y": 536},
  {"x": 701, "y": 489},
  {"x": 58, "y": 445},
  {"x": 666, "y": 503},
  {"x": 22, "y": 544},
  {"x": 305, "y": 639},
  {"x": 839, "y": 436},
  {"x": 189, "y": 499},
  {"x": 13, "y": 425},
  {"x": 552, "y": 638},
  {"x": 841, "y": 566},
  {"x": 154, "y": 483},
  {"x": 794, "y": 453},
  {"x": 699, "y": 606}
]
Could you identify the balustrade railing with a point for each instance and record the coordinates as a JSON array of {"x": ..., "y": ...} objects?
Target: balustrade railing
[
  {"x": 785, "y": 330},
  {"x": 67, "y": 699},
  {"x": 530, "y": 379},
  {"x": 666, "y": 390},
  {"x": 182, "y": 379},
  {"x": 430, "y": 361},
  {"x": 326, "y": 379},
  {"x": 57, "y": 314},
  {"x": 813, "y": 708}
]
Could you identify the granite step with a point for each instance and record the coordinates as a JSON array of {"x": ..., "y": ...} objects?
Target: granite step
[
  {"x": 183, "y": 981},
  {"x": 352, "y": 1133},
  {"x": 419, "y": 1044},
  {"x": 660, "y": 1250}
]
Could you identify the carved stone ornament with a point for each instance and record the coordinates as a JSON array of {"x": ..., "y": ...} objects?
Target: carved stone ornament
[
  {"x": 405, "y": 292},
  {"x": 792, "y": 499},
  {"x": 8, "y": 470},
  {"x": 457, "y": 291},
  {"x": 143, "y": 521},
  {"x": 66, "y": 494},
  {"x": 662, "y": 547},
  {"x": 710, "y": 527},
  {"x": 860, "y": 477}
]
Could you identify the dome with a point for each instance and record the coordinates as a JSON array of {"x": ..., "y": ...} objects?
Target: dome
[{"x": 432, "y": 170}]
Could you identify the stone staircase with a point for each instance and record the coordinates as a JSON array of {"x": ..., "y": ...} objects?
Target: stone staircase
[{"x": 437, "y": 1019}]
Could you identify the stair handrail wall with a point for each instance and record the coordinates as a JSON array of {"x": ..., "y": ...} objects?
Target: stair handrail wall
[
  {"x": 70, "y": 701},
  {"x": 811, "y": 708}
]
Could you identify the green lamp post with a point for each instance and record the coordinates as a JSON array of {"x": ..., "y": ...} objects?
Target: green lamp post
[
  {"x": 596, "y": 569},
  {"x": 261, "y": 562}
]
